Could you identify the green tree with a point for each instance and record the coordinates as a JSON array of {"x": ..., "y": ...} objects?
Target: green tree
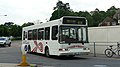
[
  {"x": 8, "y": 23},
  {"x": 86, "y": 15},
  {"x": 27, "y": 24},
  {"x": 61, "y": 5},
  {"x": 60, "y": 13},
  {"x": 3, "y": 30},
  {"x": 98, "y": 16},
  {"x": 10, "y": 29},
  {"x": 61, "y": 9},
  {"x": 111, "y": 11},
  {"x": 16, "y": 30}
]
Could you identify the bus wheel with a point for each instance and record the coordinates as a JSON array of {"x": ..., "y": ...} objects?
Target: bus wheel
[
  {"x": 47, "y": 52},
  {"x": 29, "y": 49}
]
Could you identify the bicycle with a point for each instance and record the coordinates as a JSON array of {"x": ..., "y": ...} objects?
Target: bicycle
[{"x": 109, "y": 52}]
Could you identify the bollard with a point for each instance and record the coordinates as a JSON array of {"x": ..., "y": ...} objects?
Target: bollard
[
  {"x": 94, "y": 50},
  {"x": 24, "y": 62},
  {"x": 24, "y": 51}
]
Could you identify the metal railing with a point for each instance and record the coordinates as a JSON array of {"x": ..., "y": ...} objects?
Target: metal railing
[{"x": 102, "y": 44}]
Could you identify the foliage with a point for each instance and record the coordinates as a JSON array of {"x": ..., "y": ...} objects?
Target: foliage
[
  {"x": 93, "y": 17},
  {"x": 111, "y": 11},
  {"x": 87, "y": 15},
  {"x": 61, "y": 5},
  {"x": 60, "y": 13},
  {"x": 10, "y": 30},
  {"x": 4, "y": 30},
  {"x": 27, "y": 24},
  {"x": 61, "y": 9}
]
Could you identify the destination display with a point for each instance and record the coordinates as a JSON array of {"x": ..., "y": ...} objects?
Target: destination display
[{"x": 81, "y": 21}]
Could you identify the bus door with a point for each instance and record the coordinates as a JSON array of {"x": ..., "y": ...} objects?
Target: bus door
[{"x": 54, "y": 40}]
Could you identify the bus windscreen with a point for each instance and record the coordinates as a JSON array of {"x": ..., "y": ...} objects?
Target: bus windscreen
[{"x": 81, "y": 21}]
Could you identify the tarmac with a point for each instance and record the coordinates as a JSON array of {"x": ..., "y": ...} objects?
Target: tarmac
[{"x": 97, "y": 56}]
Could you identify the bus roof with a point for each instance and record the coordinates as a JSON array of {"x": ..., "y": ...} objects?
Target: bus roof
[{"x": 50, "y": 23}]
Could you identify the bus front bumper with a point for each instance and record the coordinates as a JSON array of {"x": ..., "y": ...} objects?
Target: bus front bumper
[{"x": 75, "y": 53}]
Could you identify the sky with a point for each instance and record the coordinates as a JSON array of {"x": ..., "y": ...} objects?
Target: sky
[{"x": 23, "y": 11}]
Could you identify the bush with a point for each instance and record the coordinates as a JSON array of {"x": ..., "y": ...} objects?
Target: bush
[{"x": 17, "y": 38}]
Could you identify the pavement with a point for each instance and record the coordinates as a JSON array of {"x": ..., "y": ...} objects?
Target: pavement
[
  {"x": 16, "y": 65},
  {"x": 102, "y": 56}
]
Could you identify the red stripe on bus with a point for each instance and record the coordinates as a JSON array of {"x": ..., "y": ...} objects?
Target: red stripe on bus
[{"x": 38, "y": 46}]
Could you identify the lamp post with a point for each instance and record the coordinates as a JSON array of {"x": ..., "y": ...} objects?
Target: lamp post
[{"x": 4, "y": 15}]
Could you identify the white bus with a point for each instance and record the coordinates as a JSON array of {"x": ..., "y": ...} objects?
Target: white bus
[{"x": 65, "y": 36}]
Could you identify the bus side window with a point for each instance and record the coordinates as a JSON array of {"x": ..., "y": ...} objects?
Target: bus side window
[
  {"x": 54, "y": 32},
  {"x": 30, "y": 35},
  {"x": 35, "y": 34},
  {"x": 40, "y": 34},
  {"x": 47, "y": 33},
  {"x": 24, "y": 35}
]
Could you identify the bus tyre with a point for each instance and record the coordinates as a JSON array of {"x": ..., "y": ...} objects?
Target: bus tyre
[
  {"x": 29, "y": 49},
  {"x": 47, "y": 52}
]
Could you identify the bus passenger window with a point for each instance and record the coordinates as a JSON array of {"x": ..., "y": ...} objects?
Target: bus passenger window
[
  {"x": 30, "y": 35},
  {"x": 24, "y": 35},
  {"x": 54, "y": 32},
  {"x": 47, "y": 33},
  {"x": 35, "y": 34},
  {"x": 40, "y": 34}
]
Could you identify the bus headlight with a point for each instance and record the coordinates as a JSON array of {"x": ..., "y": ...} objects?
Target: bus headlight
[
  {"x": 63, "y": 49},
  {"x": 86, "y": 48}
]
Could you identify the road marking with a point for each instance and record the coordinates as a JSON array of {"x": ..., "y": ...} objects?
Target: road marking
[
  {"x": 47, "y": 66},
  {"x": 100, "y": 65}
]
